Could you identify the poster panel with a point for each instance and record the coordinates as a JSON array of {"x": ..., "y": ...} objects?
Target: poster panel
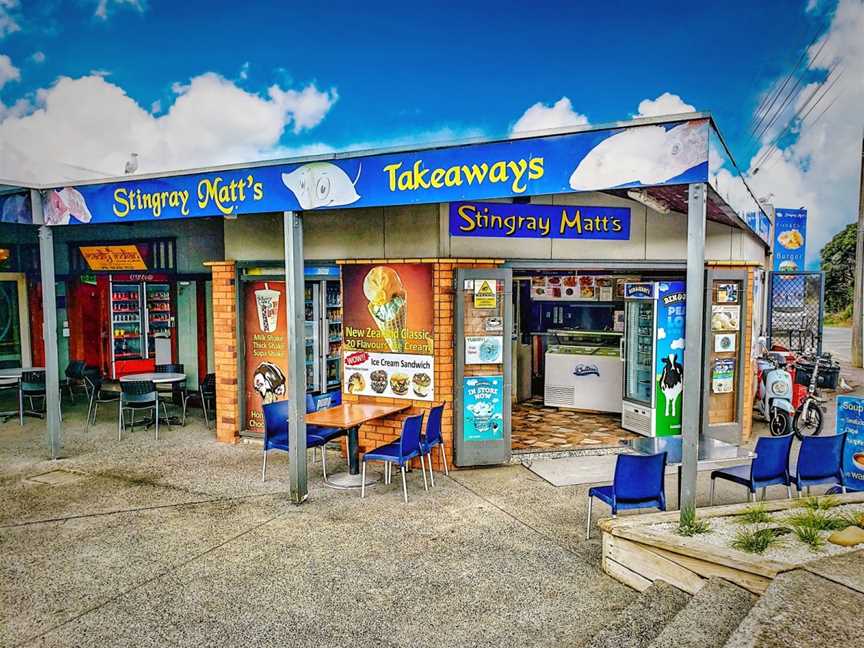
[
  {"x": 265, "y": 325},
  {"x": 387, "y": 324},
  {"x": 790, "y": 239},
  {"x": 850, "y": 419},
  {"x": 483, "y": 402},
  {"x": 671, "y": 311}
]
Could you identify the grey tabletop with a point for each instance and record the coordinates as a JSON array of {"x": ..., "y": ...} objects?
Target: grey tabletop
[
  {"x": 154, "y": 377},
  {"x": 15, "y": 372},
  {"x": 710, "y": 450}
]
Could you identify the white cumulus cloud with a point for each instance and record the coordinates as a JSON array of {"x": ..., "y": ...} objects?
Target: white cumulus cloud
[
  {"x": 541, "y": 116},
  {"x": 666, "y": 104},
  {"x": 105, "y": 7},
  {"x": 87, "y": 127},
  {"x": 8, "y": 71},
  {"x": 8, "y": 17}
]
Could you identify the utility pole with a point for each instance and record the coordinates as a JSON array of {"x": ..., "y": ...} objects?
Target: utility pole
[{"x": 858, "y": 294}]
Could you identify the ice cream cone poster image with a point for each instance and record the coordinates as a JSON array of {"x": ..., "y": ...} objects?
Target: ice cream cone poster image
[
  {"x": 265, "y": 332},
  {"x": 388, "y": 330}
]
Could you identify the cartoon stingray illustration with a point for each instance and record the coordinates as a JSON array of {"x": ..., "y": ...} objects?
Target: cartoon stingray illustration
[
  {"x": 642, "y": 156},
  {"x": 64, "y": 204},
  {"x": 321, "y": 184}
]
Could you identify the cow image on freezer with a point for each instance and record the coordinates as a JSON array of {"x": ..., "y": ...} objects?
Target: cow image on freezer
[
  {"x": 321, "y": 184},
  {"x": 642, "y": 156},
  {"x": 671, "y": 382}
]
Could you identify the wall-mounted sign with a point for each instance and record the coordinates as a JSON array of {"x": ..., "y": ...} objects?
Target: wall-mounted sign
[
  {"x": 790, "y": 239},
  {"x": 483, "y": 404},
  {"x": 640, "y": 290},
  {"x": 505, "y": 220},
  {"x": 388, "y": 318},
  {"x": 265, "y": 331},
  {"x": 675, "y": 153},
  {"x": 568, "y": 287},
  {"x": 669, "y": 370},
  {"x": 727, "y": 293},
  {"x": 723, "y": 376},
  {"x": 485, "y": 293},
  {"x": 484, "y": 349},
  {"x": 113, "y": 257},
  {"x": 850, "y": 419},
  {"x": 725, "y": 318},
  {"x": 724, "y": 342}
]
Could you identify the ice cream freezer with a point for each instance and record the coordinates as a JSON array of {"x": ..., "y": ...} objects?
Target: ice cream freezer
[{"x": 583, "y": 377}]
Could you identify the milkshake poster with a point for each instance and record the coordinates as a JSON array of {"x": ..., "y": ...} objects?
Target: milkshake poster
[
  {"x": 387, "y": 328},
  {"x": 265, "y": 327},
  {"x": 483, "y": 400}
]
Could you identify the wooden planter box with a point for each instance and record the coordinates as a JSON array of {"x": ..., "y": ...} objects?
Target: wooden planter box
[{"x": 637, "y": 554}]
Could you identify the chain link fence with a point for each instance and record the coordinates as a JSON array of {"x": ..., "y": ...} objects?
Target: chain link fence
[{"x": 796, "y": 302}]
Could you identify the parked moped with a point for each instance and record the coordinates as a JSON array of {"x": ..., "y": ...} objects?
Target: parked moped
[{"x": 774, "y": 392}]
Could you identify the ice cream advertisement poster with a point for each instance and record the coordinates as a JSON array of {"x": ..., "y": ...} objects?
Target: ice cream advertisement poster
[
  {"x": 645, "y": 155},
  {"x": 790, "y": 239},
  {"x": 671, "y": 313},
  {"x": 850, "y": 419},
  {"x": 394, "y": 375},
  {"x": 483, "y": 403},
  {"x": 265, "y": 332}
]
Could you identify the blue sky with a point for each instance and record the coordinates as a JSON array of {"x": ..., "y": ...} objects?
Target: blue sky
[{"x": 194, "y": 82}]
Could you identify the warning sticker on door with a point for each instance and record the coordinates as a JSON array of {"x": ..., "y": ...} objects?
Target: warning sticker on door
[{"x": 484, "y": 293}]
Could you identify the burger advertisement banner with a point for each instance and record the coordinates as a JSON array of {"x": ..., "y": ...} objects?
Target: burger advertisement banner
[
  {"x": 265, "y": 327},
  {"x": 387, "y": 327}
]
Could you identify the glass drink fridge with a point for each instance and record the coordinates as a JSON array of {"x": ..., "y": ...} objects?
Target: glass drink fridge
[
  {"x": 323, "y": 335},
  {"x": 653, "y": 356}
]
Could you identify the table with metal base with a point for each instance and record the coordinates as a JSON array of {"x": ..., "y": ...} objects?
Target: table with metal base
[
  {"x": 157, "y": 379},
  {"x": 13, "y": 376},
  {"x": 349, "y": 417},
  {"x": 711, "y": 451}
]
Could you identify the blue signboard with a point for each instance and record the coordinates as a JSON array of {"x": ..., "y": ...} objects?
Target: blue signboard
[
  {"x": 483, "y": 403},
  {"x": 673, "y": 153},
  {"x": 671, "y": 319},
  {"x": 640, "y": 290},
  {"x": 506, "y": 220},
  {"x": 790, "y": 239},
  {"x": 850, "y": 419},
  {"x": 15, "y": 208}
]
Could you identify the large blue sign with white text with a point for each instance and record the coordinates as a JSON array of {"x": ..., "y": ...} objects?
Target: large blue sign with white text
[
  {"x": 506, "y": 220},
  {"x": 790, "y": 239},
  {"x": 673, "y": 153},
  {"x": 850, "y": 419}
]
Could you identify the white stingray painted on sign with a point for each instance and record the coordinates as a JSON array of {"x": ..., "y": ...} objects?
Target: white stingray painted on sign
[
  {"x": 62, "y": 205},
  {"x": 321, "y": 184},
  {"x": 647, "y": 155}
]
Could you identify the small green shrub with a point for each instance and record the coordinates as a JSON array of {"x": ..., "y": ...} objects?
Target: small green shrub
[
  {"x": 755, "y": 540},
  {"x": 690, "y": 525},
  {"x": 818, "y": 520},
  {"x": 809, "y": 536},
  {"x": 816, "y": 503},
  {"x": 854, "y": 518},
  {"x": 755, "y": 514}
]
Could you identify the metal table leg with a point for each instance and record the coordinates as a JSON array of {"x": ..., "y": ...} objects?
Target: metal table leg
[{"x": 353, "y": 478}]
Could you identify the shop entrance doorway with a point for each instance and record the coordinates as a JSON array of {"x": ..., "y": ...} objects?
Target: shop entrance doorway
[
  {"x": 84, "y": 308},
  {"x": 14, "y": 322}
]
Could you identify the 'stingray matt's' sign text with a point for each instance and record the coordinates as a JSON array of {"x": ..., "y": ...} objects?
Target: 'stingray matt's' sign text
[{"x": 502, "y": 220}]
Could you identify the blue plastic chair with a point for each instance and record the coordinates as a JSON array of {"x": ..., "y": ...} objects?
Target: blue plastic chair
[
  {"x": 326, "y": 433},
  {"x": 770, "y": 467},
  {"x": 820, "y": 461},
  {"x": 433, "y": 438},
  {"x": 639, "y": 482},
  {"x": 398, "y": 452},
  {"x": 276, "y": 435}
]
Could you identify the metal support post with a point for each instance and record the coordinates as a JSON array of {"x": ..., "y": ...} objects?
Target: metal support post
[
  {"x": 296, "y": 374},
  {"x": 691, "y": 406},
  {"x": 49, "y": 329}
]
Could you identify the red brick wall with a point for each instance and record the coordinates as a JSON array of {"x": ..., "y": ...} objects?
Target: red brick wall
[{"x": 225, "y": 350}]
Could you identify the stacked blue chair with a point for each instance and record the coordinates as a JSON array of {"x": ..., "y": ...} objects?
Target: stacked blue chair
[
  {"x": 639, "y": 482},
  {"x": 399, "y": 453},
  {"x": 276, "y": 434},
  {"x": 433, "y": 438},
  {"x": 770, "y": 467},
  {"x": 820, "y": 461}
]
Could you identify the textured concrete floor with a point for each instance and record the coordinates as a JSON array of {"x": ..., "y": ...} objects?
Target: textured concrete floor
[{"x": 178, "y": 542}]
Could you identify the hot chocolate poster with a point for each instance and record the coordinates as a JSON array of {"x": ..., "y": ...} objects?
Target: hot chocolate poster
[
  {"x": 265, "y": 327},
  {"x": 388, "y": 330}
]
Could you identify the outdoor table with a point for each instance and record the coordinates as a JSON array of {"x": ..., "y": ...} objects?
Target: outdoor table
[
  {"x": 166, "y": 378},
  {"x": 711, "y": 451},
  {"x": 350, "y": 416},
  {"x": 12, "y": 376}
]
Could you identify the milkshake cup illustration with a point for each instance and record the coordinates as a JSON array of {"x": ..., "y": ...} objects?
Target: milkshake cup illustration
[
  {"x": 388, "y": 305},
  {"x": 268, "y": 309}
]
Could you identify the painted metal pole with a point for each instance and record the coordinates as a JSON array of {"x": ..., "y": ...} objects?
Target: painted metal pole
[
  {"x": 49, "y": 329},
  {"x": 691, "y": 407},
  {"x": 296, "y": 360}
]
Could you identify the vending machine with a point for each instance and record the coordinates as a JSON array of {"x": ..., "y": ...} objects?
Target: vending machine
[
  {"x": 654, "y": 322},
  {"x": 142, "y": 321},
  {"x": 323, "y": 297}
]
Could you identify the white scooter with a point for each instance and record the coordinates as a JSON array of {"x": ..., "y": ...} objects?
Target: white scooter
[{"x": 774, "y": 391}]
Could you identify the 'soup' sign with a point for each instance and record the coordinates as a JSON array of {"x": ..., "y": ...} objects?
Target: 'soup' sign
[{"x": 538, "y": 221}]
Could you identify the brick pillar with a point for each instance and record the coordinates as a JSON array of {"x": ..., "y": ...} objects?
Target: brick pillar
[{"x": 225, "y": 350}]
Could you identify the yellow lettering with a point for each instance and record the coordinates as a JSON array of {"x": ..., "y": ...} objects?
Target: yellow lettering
[
  {"x": 567, "y": 222},
  {"x": 120, "y": 198},
  {"x": 453, "y": 177},
  {"x": 616, "y": 225},
  {"x": 436, "y": 179},
  {"x": 518, "y": 169},
  {"x": 391, "y": 170},
  {"x": 475, "y": 172},
  {"x": 498, "y": 172},
  {"x": 535, "y": 168},
  {"x": 466, "y": 212},
  {"x": 258, "y": 191},
  {"x": 406, "y": 180}
]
